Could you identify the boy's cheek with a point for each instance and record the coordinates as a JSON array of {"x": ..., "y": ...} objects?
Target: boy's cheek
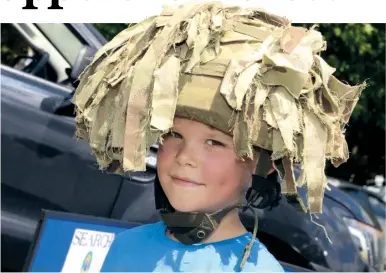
[
  {"x": 167, "y": 148},
  {"x": 164, "y": 151}
]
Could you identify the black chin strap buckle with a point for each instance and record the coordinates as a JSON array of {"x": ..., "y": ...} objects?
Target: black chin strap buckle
[{"x": 265, "y": 191}]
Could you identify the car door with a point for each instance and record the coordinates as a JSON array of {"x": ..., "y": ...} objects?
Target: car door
[
  {"x": 135, "y": 200},
  {"x": 43, "y": 165},
  {"x": 40, "y": 154}
]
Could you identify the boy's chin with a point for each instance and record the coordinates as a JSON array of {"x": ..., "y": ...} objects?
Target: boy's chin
[{"x": 187, "y": 207}]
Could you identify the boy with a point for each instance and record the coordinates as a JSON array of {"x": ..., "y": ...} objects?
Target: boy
[{"x": 228, "y": 93}]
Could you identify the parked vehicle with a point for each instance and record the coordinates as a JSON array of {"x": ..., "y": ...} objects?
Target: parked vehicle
[
  {"x": 371, "y": 200},
  {"x": 44, "y": 166},
  {"x": 374, "y": 203}
]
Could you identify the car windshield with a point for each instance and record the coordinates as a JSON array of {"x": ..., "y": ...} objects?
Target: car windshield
[{"x": 57, "y": 33}]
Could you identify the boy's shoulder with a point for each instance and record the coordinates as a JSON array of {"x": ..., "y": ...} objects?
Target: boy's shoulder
[
  {"x": 127, "y": 245},
  {"x": 139, "y": 231}
]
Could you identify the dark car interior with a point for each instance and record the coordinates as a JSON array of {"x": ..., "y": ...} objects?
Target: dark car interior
[{"x": 18, "y": 53}]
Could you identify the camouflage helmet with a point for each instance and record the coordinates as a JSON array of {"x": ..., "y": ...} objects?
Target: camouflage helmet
[{"x": 246, "y": 72}]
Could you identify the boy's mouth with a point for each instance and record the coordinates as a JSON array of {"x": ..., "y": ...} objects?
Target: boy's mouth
[{"x": 186, "y": 182}]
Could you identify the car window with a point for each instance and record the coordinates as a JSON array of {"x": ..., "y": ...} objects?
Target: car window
[
  {"x": 18, "y": 53},
  {"x": 13, "y": 46},
  {"x": 56, "y": 34}
]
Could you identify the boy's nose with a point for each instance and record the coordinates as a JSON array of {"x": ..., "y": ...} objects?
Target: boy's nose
[{"x": 187, "y": 155}]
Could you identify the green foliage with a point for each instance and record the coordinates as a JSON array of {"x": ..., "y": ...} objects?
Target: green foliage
[
  {"x": 357, "y": 51},
  {"x": 12, "y": 44},
  {"x": 110, "y": 30}
]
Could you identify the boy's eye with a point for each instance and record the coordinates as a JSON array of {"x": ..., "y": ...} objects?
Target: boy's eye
[
  {"x": 173, "y": 134},
  {"x": 214, "y": 142}
]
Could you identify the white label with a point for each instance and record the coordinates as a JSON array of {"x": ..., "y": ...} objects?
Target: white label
[{"x": 87, "y": 251}]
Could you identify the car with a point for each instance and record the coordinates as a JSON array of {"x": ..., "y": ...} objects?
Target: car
[
  {"x": 45, "y": 167},
  {"x": 369, "y": 199},
  {"x": 373, "y": 202}
]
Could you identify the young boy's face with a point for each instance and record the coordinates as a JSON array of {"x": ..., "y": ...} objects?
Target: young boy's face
[{"x": 198, "y": 168}]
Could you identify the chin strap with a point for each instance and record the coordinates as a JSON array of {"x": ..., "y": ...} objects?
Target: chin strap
[
  {"x": 263, "y": 193},
  {"x": 194, "y": 227},
  {"x": 248, "y": 247}
]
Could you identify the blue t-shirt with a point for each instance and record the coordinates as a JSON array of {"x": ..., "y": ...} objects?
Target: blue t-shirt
[{"x": 148, "y": 248}]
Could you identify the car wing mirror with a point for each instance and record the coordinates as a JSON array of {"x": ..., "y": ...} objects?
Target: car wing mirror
[
  {"x": 84, "y": 58},
  {"x": 59, "y": 106},
  {"x": 64, "y": 107}
]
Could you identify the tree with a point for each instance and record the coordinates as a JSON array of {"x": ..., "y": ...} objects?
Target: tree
[{"x": 110, "y": 30}]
